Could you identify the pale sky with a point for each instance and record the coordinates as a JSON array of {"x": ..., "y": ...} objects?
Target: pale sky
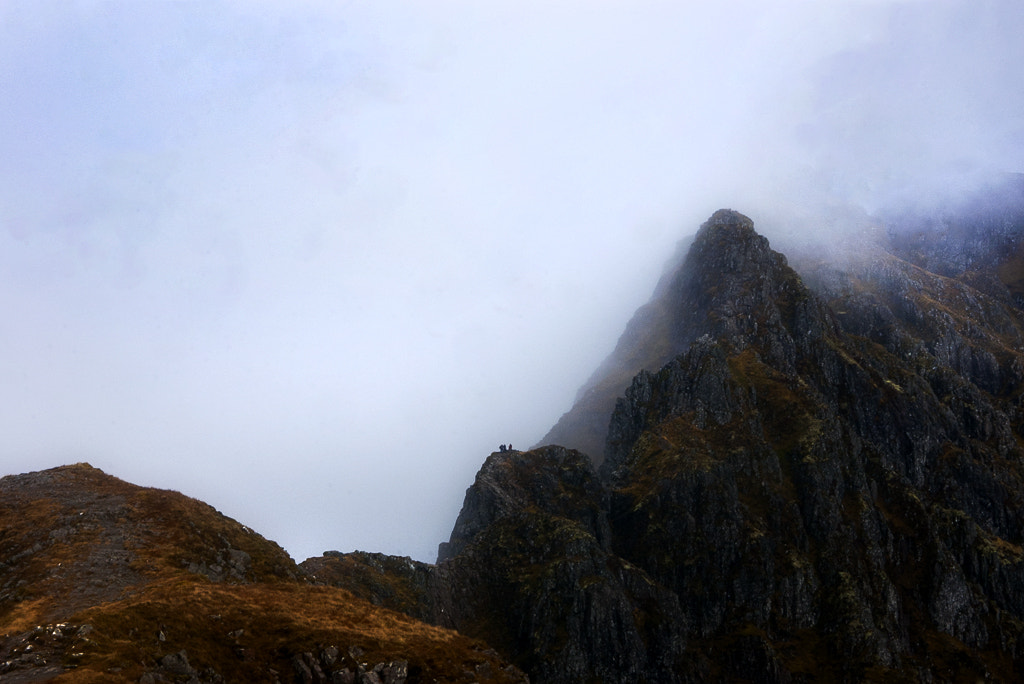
[{"x": 312, "y": 262}]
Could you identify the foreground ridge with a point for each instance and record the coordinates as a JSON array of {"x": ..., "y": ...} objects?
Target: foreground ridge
[{"x": 101, "y": 580}]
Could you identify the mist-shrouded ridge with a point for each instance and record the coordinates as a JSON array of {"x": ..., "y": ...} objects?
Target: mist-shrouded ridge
[
  {"x": 966, "y": 225},
  {"x": 659, "y": 331}
]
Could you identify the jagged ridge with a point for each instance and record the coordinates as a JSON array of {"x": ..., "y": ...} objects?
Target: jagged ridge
[{"x": 822, "y": 482}]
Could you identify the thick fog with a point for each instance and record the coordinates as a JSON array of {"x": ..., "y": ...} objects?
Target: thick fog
[{"x": 313, "y": 262}]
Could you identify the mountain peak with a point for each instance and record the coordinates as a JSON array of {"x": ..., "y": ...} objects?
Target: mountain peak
[
  {"x": 731, "y": 284},
  {"x": 728, "y": 218},
  {"x": 727, "y": 245}
]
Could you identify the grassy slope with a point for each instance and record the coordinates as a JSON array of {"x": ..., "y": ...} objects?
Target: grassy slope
[{"x": 135, "y": 565}]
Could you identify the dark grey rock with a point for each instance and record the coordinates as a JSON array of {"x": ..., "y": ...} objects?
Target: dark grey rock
[{"x": 177, "y": 663}]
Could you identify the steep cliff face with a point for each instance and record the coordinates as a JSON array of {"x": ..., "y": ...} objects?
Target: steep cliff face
[
  {"x": 853, "y": 504},
  {"x": 529, "y": 569},
  {"x": 665, "y": 327},
  {"x": 824, "y": 481}
]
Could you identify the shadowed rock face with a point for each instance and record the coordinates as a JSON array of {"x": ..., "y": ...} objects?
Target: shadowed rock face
[
  {"x": 531, "y": 571},
  {"x": 822, "y": 481},
  {"x": 558, "y": 481},
  {"x": 789, "y": 476}
]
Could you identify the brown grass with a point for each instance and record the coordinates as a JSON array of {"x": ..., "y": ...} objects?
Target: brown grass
[
  {"x": 83, "y": 547},
  {"x": 245, "y": 630}
]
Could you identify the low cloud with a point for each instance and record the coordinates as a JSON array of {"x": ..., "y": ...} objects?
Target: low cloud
[{"x": 312, "y": 263}]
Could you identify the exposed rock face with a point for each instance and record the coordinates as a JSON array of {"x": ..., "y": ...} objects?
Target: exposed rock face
[
  {"x": 558, "y": 480},
  {"x": 783, "y": 475},
  {"x": 531, "y": 572},
  {"x": 824, "y": 481}
]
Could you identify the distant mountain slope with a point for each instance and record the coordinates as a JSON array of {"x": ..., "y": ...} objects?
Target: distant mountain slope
[
  {"x": 105, "y": 581},
  {"x": 651, "y": 338}
]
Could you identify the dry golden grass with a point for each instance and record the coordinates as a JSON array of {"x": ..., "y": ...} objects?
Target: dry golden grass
[
  {"x": 246, "y": 630},
  {"x": 26, "y": 615},
  {"x": 135, "y": 564},
  {"x": 73, "y": 537}
]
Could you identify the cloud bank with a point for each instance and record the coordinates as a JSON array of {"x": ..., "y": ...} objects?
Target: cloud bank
[{"x": 312, "y": 262}]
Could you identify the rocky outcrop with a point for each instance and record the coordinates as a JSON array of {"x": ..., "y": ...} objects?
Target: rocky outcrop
[
  {"x": 823, "y": 482},
  {"x": 42, "y": 653},
  {"x": 325, "y": 665},
  {"x": 561, "y": 482},
  {"x": 393, "y": 582},
  {"x": 529, "y": 569}
]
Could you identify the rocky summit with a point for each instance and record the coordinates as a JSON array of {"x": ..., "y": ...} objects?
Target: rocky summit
[
  {"x": 788, "y": 470},
  {"x": 812, "y": 473}
]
